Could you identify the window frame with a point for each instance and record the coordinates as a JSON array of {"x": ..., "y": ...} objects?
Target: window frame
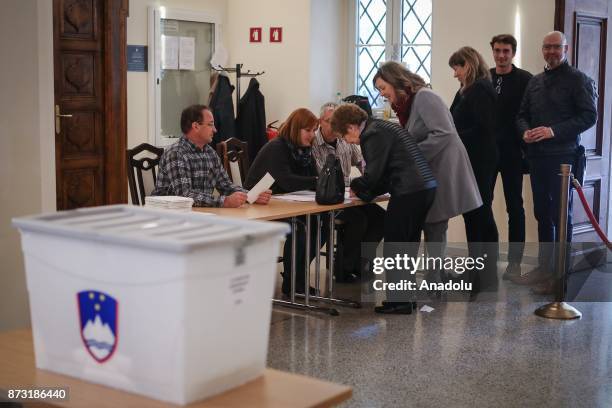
[
  {"x": 154, "y": 39},
  {"x": 393, "y": 44}
]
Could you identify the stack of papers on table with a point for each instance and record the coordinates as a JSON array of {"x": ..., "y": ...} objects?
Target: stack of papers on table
[{"x": 169, "y": 202}]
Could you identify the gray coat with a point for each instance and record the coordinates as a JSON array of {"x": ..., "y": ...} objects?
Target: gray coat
[{"x": 432, "y": 125}]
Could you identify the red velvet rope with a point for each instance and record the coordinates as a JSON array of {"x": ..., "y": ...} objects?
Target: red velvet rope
[{"x": 592, "y": 218}]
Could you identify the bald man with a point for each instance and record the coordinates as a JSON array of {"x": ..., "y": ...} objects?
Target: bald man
[{"x": 559, "y": 104}]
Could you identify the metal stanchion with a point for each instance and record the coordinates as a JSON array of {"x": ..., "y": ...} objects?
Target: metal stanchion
[{"x": 559, "y": 309}]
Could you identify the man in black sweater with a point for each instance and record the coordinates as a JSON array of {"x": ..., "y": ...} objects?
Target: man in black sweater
[
  {"x": 559, "y": 104},
  {"x": 510, "y": 83}
]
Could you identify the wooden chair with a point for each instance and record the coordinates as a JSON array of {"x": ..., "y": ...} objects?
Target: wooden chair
[
  {"x": 234, "y": 155},
  {"x": 142, "y": 185}
]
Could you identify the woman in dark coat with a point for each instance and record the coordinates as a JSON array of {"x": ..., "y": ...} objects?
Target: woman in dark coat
[
  {"x": 473, "y": 111},
  {"x": 288, "y": 159},
  {"x": 395, "y": 165}
]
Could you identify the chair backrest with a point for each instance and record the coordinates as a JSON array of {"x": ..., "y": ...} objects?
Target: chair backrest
[
  {"x": 234, "y": 154},
  {"x": 142, "y": 170}
]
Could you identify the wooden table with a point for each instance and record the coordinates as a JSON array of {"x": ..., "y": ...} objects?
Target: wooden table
[
  {"x": 274, "y": 389},
  {"x": 278, "y": 209}
]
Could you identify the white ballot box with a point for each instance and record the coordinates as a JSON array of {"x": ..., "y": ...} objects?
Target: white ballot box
[{"x": 174, "y": 306}]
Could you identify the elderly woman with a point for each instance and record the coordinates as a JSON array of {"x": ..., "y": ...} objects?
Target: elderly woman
[
  {"x": 426, "y": 117},
  {"x": 473, "y": 111},
  {"x": 395, "y": 165},
  {"x": 289, "y": 160}
]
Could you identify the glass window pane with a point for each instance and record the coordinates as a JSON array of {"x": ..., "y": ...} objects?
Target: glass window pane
[
  {"x": 372, "y": 21},
  {"x": 180, "y": 88},
  {"x": 416, "y": 36},
  {"x": 368, "y": 59}
]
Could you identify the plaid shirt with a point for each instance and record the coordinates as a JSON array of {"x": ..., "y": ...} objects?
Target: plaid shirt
[
  {"x": 348, "y": 154},
  {"x": 187, "y": 171}
]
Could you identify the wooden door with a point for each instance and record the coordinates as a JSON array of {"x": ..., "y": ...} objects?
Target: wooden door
[
  {"x": 585, "y": 23},
  {"x": 90, "y": 102}
]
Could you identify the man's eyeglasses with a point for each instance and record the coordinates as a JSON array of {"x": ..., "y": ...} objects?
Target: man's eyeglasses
[
  {"x": 209, "y": 124},
  {"x": 552, "y": 46},
  {"x": 498, "y": 85}
]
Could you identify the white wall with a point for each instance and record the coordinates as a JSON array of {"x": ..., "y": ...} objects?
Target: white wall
[
  {"x": 25, "y": 143},
  {"x": 328, "y": 44},
  {"x": 474, "y": 23},
  {"x": 137, "y": 34},
  {"x": 286, "y": 82}
]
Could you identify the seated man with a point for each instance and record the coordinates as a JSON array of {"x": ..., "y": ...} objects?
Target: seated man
[
  {"x": 362, "y": 224},
  {"x": 191, "y": 168}
]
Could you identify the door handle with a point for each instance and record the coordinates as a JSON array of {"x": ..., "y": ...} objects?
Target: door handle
[{"x": 58, "y": 119}]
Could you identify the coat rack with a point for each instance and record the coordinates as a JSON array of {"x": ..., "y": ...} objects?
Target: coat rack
[{"x": 239, "y": 74}]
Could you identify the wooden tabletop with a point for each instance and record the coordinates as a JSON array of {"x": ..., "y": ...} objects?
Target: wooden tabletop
[
  {"x": 279, "y": 209},
  {"x": 274, "y": 389}
]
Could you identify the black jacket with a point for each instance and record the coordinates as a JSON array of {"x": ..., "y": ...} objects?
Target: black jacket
[
  {"x": 563, "y": 99},
  {"x": 251, "y": 121},
  {"x": 222, "y": 107},
  {"x": 474, "y": 115},
  {"x": 509, "y": 96},
  {"x": 289, "y": 174},
  {"x": 394, "y": 163}
]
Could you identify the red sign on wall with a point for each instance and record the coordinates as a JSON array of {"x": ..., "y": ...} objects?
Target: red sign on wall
[
  {"x": 255, "y": 34},
  {"x": 276, "y": 34}
]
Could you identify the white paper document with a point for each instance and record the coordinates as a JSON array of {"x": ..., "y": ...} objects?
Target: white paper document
[
  {"x": 427, "y": 309},
  {"x": 170, "y": 52},
  {"x": 187, "y": 53},
  {"x": 264, "y": 184}
]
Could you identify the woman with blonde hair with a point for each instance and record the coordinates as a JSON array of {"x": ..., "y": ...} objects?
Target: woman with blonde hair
[
  {"x": 425, "y": 115},
  {"x": 473, "y": 111}
]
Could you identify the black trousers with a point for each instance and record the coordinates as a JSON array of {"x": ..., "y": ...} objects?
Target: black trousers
[
  {"x": 511, "y": 170},
  {"x": 481, "y": 230},
  {"x": 362, "y": 224},
  {"x": 300, "y": 259},
  {"x": 546, "y": 187},
  {"x": 403, "y": 226}
]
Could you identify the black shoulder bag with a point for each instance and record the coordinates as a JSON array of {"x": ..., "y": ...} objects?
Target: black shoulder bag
[{"x": 330, "y": 186}]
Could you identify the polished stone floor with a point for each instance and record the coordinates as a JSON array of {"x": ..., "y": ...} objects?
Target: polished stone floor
[{"x": 481, "y": 354}]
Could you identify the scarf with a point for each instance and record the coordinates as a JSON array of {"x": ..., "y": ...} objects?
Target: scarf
[
  {"x": 402, "y": 108},
  {"x": 301, "y": 155}
]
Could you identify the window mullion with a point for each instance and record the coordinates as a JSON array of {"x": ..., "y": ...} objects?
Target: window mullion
[{"x": 394, "y": 34}]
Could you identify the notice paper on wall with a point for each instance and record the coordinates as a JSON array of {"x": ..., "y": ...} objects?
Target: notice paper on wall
[
  {"x": 169, "y": 52},
  {"x": 264, "y": 184},
  {"x": 187, "y": 53}
]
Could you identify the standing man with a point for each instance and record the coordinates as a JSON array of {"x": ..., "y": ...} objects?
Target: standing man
[
  {"x": 510, "y": 83},
  {"x": 362, "y": 224},
  {"x": 191, "y": 168},
  {"x": 559, "y": 104}
]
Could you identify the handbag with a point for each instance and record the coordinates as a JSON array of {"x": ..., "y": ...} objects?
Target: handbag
[{"x": 330, "y": 186}]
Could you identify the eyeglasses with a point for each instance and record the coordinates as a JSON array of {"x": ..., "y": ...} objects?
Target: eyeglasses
[
  {"x": 552, "y": 46},
  {"x": 498, "y": 85},
  {"x": 209, "y": 124}
]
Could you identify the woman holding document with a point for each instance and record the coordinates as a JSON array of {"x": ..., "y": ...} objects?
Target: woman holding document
[{"x": 289, "y": 161}]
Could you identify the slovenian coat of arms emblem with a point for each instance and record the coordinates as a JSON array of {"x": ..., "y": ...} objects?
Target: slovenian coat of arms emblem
[{"x": 98, "y": 314}]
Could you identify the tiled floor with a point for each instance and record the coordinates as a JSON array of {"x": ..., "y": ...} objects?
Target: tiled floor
[{"x": 481, "y": 354}]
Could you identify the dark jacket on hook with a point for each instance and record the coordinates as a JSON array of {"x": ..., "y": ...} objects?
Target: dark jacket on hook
[
  {"x": 222, "y": 107},
  {"x": 251, "y": 121}
]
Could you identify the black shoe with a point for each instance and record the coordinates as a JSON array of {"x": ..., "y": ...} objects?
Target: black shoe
[
  {"x": 286, "y": 289},
  {"x": 394, "y": 308},
  {"x": 347, "y": 278}
]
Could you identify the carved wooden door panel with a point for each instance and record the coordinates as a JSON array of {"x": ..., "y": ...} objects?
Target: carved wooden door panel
[
  {"x": 585, "y": 24},
  {"x": 89, "y": 141}
]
